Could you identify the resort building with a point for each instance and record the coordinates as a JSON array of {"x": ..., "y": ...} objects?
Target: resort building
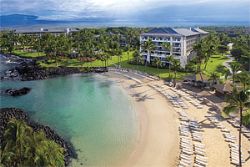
[
  {"x": 181, "y": 41},
  {"x": 42, "y": 31}
]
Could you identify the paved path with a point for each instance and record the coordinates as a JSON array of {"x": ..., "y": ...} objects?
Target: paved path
[{"x": 227, "y": 63}]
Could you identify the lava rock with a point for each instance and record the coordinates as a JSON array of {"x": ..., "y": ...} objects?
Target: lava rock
[
  {"x": 8, "y": 113},
  {"x": 17, "y": 92}
]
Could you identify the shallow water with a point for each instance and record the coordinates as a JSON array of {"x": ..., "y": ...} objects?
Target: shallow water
[{"x": 94, "y": 113}]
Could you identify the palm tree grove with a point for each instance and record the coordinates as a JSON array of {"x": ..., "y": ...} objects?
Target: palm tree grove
[{"x": 193, "y": 108}]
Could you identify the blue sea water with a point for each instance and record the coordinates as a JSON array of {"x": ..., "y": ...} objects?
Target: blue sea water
[
  {"x": 91, "y": 111},
  {"x": 119, "y": 23}
]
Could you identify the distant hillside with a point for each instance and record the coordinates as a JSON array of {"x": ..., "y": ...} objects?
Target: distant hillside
[
  {"x": 20, "y": 20},
  {"x": 15, "y": 20}
]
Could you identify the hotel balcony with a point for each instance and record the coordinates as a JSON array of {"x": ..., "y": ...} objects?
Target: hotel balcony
[
  {"x": 156, "y": 39},
  {"x": 158, "y": 55},
  {"x": 176, "y": 45}
]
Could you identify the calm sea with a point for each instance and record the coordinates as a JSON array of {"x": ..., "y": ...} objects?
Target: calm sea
[{"x": 91, "y": 111}]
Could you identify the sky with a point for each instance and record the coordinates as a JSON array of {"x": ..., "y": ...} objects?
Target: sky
[{"x": 130, "y": 9}]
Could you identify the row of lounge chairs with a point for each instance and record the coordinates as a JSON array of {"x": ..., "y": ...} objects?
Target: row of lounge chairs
[
  {"x": 189, "y": 96},
  {"x": 138, "y": 73},
  {"x": 192, "y": 148},
  {"x": 132, "y": 78},
  {"x": 235, "y": 123},
  {"x": 177, "y": 102},
  {"x": 229, "y": 138},
  {"x": 196, "y": 134},
  {"x": 129, "y": 77}
]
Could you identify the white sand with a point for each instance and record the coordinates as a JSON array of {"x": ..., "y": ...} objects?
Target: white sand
[{"x": 158, "y": 139}]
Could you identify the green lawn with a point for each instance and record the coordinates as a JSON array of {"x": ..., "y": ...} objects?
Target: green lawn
[
  {"x": 213, "y": 63},
  {"x": 163, "y": 73},
  {"x": 27, "y": 54}
]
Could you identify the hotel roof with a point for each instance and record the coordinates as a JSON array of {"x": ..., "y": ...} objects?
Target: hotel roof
[
  {"x": 162, "y": 31},
  {"x": 185, "y": 32},
  {"x": 176, "y": 31},
  {"x": 199, "y": 30},
  {"x": 24, "y": 31}
]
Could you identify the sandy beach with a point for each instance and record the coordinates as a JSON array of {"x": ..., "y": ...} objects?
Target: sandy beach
[{"x": 158, "y": 142}]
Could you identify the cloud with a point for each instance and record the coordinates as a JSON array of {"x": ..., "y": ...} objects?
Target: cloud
[{"x": 119, "y": 9}]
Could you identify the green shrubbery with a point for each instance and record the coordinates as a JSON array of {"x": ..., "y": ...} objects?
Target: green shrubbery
[{"x": 22, "y": 146}]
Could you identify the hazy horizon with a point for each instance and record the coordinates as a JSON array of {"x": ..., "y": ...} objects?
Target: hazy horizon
[{"x": 128, "y": 13}]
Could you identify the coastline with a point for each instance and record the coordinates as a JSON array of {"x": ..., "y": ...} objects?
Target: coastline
[
  {"x": 27, "y": 70},
  {"x": 157, "y": 138},
  {"x": 157, "y": 143}
]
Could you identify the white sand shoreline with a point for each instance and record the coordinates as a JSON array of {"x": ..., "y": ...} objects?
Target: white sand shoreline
[{"x": 159, "y": 139}]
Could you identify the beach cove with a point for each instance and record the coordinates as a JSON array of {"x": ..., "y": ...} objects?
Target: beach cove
[
  {"x": 83, "y": 110},
  {"x": 101, "y": 116},
  {"x": 143, "y": 128}
]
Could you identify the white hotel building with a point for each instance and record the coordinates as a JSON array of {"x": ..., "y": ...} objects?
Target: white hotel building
[{"x": 180, "y": 39}]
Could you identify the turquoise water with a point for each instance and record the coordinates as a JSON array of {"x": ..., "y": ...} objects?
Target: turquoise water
[{"x": 94, "y": 113}]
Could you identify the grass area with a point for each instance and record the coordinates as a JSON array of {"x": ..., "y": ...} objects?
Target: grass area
[
  {"x": 27, "y": 54},
  {"x": 114, "y": 60},
  {"x": 213, "y": 63}
]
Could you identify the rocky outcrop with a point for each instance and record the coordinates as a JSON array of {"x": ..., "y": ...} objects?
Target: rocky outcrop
[
  {"x": 30, "y": 71},
  {"x": 7, "y": 113},
  {"x": 27, "y": 69},
  {"x": 17, "y": 92}
]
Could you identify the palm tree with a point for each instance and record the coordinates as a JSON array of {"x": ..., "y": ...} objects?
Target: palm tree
[
  {"x": 167, "y": 46},
  {"x": 210, "y": 45},
  {"x": 137, "y": 57},
  {"x": 238, "y": 101},
  {"x": 199, "y": 49},
  {"x": 235, "y": 67},
  {"x": 169, "y": 59},
  {"x": 15, "y": 143},
  {"x": 214, "y": 76},
  {"x": 244, "y": 79},
  {"x": 175, "y": 66},
  {"x": 158, "y": 63},
  {"x": 46, "y": 152},
  {"x": 222, "y": 49},
  {"x": 24, "y": 147},
  {"x": 225, "y": 72},
  {"x": 8, "y": 41},
  {"x": 149, "y": 46}
]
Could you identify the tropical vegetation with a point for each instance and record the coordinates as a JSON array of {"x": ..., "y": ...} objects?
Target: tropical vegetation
[
  {"x": 239, "y": 101},
  {"x": 22, "y": 146},
  {"x": 91, "y": 47}
]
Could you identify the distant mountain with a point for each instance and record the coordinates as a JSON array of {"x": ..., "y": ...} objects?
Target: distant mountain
[
  {"x": 20, "y": 20},
  {"x": 15, "y": 20}
]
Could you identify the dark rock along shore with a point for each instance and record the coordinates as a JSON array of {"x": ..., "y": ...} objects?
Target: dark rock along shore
[
  {"x": 17, "y": 92},
  {"x": 7, "y": 113},
  {"x": 27, "y": 70}
]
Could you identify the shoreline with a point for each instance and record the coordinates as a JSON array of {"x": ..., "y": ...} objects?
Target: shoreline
[
  {"x": 147, "y": 151},
  {"x": 27, "y": 70},
  {"x": 157, "y": 138}
]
